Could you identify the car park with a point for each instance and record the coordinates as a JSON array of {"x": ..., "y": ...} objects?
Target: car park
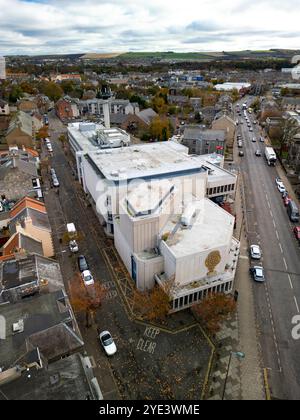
[
  {"x": 108, "y": 343},
  {"x": 257, "y": 274},
  {"x": 255, "y": 252},
  {"x": 87, "y": 278},
  {"x": 82, "y": 264}
]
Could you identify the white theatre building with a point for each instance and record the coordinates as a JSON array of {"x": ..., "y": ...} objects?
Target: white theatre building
[{"x": 155, "y": 200}]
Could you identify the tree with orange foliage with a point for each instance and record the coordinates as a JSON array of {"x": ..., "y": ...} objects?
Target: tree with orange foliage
[
  {"x": 215, "y": 309},
  {"x": 42, "y": 133},
  {"x": 86, "y": 299},
  {"x": 152, "y": 305}
]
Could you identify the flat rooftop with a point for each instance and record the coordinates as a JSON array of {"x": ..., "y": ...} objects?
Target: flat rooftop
[
  {"x": 141, "y": 161},
  {"x": 82, "y": 134},
  {"x": 211, "y": 228},
  {"x": 62, "y": 380},
  {"x": 148, "y": 198}
]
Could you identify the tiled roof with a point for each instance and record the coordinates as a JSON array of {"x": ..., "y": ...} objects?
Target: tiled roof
[{"x": 27, "y": 202}]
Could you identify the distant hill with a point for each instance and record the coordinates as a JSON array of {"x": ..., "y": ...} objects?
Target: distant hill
[{"x": 196, "y": 56}]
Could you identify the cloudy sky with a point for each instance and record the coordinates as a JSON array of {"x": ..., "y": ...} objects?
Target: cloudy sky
[{"x": 76, "y": 26}]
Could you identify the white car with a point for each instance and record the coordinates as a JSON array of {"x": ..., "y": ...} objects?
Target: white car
[
  {"x": 281, "y": 188},
  {"x": 87, "y": 278},
  {"x": 73, "y": 246},
  {"x": 255, "y": 252},
  {"x": 1, "y": 207},
  {"x": 278, "y": 181},
  {"x": 108, "y": 343}
]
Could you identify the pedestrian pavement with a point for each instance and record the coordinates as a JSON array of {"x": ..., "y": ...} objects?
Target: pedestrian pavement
[{"x": 233, "y": 378}]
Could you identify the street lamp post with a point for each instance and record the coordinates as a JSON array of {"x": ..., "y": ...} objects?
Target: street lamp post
[{"x": 240, "y": 355}]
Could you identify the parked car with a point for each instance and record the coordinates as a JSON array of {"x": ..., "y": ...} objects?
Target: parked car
[
  {"x": 55, "y": 181},
  {"x": 286, "y": 200},
  {"x": 82, "y": 264},
  {"x": 278, "y": 181},
  {"x": 241, "y": 153},
  {"x": 296, "y": 231},
  {"x": 240, "y": 144},
  {"x": 281, "y": 188},
  {"x": 87, "y": 278},
  {"x": 1, "y": 207},
  {"x": 251, "y": 129},
  {"x": 108, "y": 343},
  {"x": 255, "y": 252},
  {"x": 262, "y": 140},
  {"x": 253, "y": 139},
  {"x": 258, "y": 153},
  {"x": 73, "y": 246},
  {"x": 258, "y": 274}
]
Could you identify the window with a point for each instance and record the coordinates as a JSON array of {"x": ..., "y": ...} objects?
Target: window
[{"x": 186, "y": 300}]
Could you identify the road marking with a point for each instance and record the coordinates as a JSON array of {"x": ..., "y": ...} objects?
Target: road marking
[
  {"x": 244, "y": 257},
  {"x": 281, "y": 249},
  {"x": 274, "y": 223},
  {"x": 291, "y": 283},
  {"x": 277, "y": 234},
  {"x": 296, "y": 303},
  {"x": 284, "y": 261}
]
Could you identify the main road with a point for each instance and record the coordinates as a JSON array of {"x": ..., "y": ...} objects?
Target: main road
[{"x": 277, "y": 301}]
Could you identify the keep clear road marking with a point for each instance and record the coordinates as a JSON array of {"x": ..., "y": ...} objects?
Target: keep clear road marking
[
  {"x": 296, "y": 303},
  {"x": 291, "y": 283}
]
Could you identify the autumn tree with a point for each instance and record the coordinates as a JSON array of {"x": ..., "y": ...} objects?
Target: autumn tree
[
  {"x": 52, "y": 90},
  {"x": 213, "y": 310},
  {"x": 86, "y": 299},
  {"x": 42, "y": 133},
  {"x": 160, "y": 128},
  {"x": 153, "y": 305}
]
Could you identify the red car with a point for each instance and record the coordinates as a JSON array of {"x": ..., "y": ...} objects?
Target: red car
[
  {"x": 286, "y": 200},
  {"x": 297, "y": 232}
]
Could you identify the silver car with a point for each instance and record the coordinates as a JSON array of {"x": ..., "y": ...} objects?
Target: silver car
[{"x": 255, "y": 252}]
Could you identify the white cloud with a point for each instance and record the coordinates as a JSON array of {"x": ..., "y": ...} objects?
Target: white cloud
[{"x": 70, "y": 26}]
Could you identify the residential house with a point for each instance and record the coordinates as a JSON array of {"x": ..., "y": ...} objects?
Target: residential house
[
  {"x": 290, "y": 104},
  {"x": 27, "y": 105},
  {"x": 116, "y": 106},
  {"x": 67, "y": 109},
  {"x": 38, "y": 121},
  {"x": 29, "y": 217},
  {"x": 41, "y": 343},
  {"x": 22, "y": 276},
  {"x": 20, "y": 131},
  {"x": 228, "y": 125},
  {"x": 178, "y": 100},
  {"x": 147, "y": 115},
  {"x": 19, "y": 173},
  {"x": 204, "y": 142}
]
